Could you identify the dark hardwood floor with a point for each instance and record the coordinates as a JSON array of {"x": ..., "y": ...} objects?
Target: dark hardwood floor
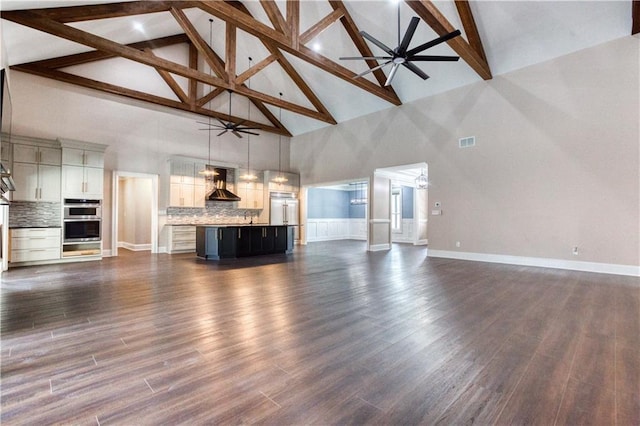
[{"x": 329, "y": 335}]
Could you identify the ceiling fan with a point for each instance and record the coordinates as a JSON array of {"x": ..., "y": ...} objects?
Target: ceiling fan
[
  {"x": 230, "y": 126},
  {"x": 401, "y": 56}
]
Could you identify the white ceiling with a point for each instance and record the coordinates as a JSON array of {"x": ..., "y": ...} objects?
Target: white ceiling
[{"x": 515, "y": 34}]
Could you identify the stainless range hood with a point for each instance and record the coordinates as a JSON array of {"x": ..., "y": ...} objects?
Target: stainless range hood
[{"x": 220, "y": 191}]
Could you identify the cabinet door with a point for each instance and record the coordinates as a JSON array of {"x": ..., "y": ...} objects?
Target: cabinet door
[
  {"x": 73, "y": 156},
  {"x": 175, "y": 195},
  {"x": 49, "y": 182},
  {"x": 242, "y": 193},
  {"x": 199, "y": 193},
  {"x": 280, "y": 240},
  {"x": 25, "y": 153},
  {"x": 257, "y": 233},
  {"x": 269, "y": 239},
  {"x": 94, "y": 159},
  {"x": 227, "y": 242},
  {"x": 25, "y": 177},
  {"x": 51, "y": 156},
  {"x": 73, "y": 181},
  {"x": 244, "y": 241},
  {"x": 187, "y": 191},
  {"x": 94, "y": 182}
]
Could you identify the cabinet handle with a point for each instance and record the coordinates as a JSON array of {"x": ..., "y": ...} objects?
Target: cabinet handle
[
  {"x": 276, "y": 232},
  {"x": 239, "y": 233},
  {"x": 220, "y": 234}
]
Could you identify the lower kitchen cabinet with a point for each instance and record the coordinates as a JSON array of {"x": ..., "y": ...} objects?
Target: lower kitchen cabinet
[
  {"x": 35, "y": 244},
  {"x": 217, "y": 242},
  {"x": 182, "y": 239}
]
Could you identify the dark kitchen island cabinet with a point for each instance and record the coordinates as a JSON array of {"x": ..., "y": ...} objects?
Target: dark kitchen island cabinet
[{"x": 215, "y": 242}]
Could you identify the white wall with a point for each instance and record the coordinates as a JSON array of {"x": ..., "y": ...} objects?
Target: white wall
[
  {"x": 134, "y": 213},
  {"x": 556, "y": 163}
]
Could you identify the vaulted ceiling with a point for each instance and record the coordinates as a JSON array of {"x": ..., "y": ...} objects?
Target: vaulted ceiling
[{"x": 284, "y": 55}]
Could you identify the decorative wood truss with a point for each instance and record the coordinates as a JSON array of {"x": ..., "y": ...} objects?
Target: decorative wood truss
[{"x": 285, "y": 36}]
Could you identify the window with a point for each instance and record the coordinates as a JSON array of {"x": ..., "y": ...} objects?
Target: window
[{"x": 396, "y": 210}]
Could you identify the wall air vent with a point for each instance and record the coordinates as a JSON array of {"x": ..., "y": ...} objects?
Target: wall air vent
[{"x": 467, "y": 142}]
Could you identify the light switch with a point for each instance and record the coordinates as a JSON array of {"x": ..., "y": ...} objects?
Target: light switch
[{"x": 436, "y": 212}]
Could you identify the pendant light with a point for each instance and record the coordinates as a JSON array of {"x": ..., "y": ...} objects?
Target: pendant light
[
  {"x": 421, "y": 181},
  {"x": 209, "y": 171},
  {"x": 360, "y": 197},
  {"x": 280, "y": 179},
  {"x": 248, "y": 176}
]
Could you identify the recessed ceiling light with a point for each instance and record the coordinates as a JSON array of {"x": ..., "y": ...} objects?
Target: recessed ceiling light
[{"x": 138, "y": 26}]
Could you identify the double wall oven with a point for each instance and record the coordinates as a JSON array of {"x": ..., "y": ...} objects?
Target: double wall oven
[{"x": 82, "y": 220}]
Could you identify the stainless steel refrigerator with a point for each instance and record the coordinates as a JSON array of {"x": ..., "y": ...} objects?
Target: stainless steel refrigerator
[{"x": 285, "y": 211}]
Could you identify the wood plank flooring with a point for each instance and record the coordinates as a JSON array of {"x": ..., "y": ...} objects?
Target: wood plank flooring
[{"x": 329, "y": 335}]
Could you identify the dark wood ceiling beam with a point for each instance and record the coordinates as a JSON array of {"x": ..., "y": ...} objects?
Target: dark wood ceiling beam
[
  {"x": 255, "y": 69},
  {"x": 275, "y": 16},
  {"x": 98, "y": 55},
  {"x": 110, "y": 10},
  {"x": 230, "y": 54},
  {"x": 293, "y": 19},
  {"x": 133, "y": 94},
  {"x": 30, "y": 19},
  {"x": 228, "y": 12},
  {"x": 354, "y": 33},
  {"x": 210, "y": 96},
  {"x": 200, "y": 44},
  {"x": 171, "y": 82},
  {"x": 470, "y": 28},
  {"x": 320, "y": 26},
  {"x": 635, "y": 17},
  {"x": 437, "y": 21}
]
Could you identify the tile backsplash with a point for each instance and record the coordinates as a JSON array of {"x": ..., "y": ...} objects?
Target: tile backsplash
[
  {"x": 213, "y": 212},
  {"x": 25, "y": 214}
]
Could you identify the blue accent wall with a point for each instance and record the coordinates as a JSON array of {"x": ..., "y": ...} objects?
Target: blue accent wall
[
  {"x": 407, "y": 202},
  {"x": 358, "y": 211},
  {"x": 328, "y": 204}
]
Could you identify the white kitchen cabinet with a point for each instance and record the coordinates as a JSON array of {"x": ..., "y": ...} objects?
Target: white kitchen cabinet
[
  {"x": 82, "y": 182},
  {"x": 182, "y": 239},
  {"x": 82, "y": 157},
  {"x": 36, "y": 154},
  {"x": 251, "y": 194},
  {"x": 82, "y": 169},
  {"x": 35, "y": 244},
  {"x": 186, "y": 186},
  {"x": 36, "y": 182}
]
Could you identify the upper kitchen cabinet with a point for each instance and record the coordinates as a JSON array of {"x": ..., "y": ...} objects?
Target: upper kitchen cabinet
[
  {"x": 186, "y": 185},
  {"x": 36, "y": 169},
  {"x": 82, "y": 169},
  {"x": 289, "y": 183}
]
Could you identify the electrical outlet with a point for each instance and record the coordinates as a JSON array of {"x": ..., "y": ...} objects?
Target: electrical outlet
[
  {"x": 575, "y": 250},
  {"x": 457, "y": 243}
]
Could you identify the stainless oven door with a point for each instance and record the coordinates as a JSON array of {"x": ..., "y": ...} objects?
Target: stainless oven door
[{"x": 81, "y": 230}]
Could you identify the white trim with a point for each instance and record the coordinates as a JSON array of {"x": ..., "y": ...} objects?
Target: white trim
[
  {"x": 379, "y": 220},
  {"x": 380, "y": 247},
  {"x": 106, "y": 253},
  {"x": 162, "y": 249},
  {"x": 602, "y": 268},
  {"x": 134, "y": 247}
]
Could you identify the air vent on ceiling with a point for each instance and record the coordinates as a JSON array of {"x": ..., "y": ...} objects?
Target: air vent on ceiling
[{"x": 467, "y": 142}]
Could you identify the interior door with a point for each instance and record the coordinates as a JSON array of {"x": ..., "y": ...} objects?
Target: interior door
[{"x": 379, "y": 214}]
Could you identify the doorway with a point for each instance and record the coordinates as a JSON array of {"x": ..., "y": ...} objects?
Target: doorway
[{"x": 135, "y": 212}]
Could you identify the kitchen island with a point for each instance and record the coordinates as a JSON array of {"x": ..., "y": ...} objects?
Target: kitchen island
[{"x": 215, "y": 242}]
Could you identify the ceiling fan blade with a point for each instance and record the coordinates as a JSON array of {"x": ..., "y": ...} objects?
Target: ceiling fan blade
[
  {"x": 222, "y": 123},
  {"x": 425, "y": 58},
  {"x": 392, "y": 74},
  {"x": 408, "y": 35},
  {"x": 366, "y": 58},
  {"x": 236, "y": 125},
  {"x": 249, "y": 133},
  {"x": 204, "y": 122},
  {"x": 416, "y": 70},
  {"x": 372, "y": 69},
  {"x": 235, "y": 132},
  {"x": 433, "y": 42},
  {"x": 373, "y": 40},
  {"x": 222, "y": 132}
]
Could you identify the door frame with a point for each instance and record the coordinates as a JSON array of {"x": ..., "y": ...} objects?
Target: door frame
[{"x": 117, "y": 174}]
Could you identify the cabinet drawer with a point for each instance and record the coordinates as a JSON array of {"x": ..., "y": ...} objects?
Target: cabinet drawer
[
  {"x": 35, "y": 232},
  {"x": 184, "y": 245},
  {"x": 35, "y": 255},
  {"x": 183, "y": 230},
  {"x": 35, "y": 243}
]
